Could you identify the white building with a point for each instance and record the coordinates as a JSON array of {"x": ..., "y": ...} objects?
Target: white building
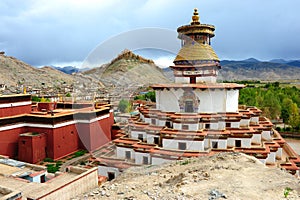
[{"x": 198, "y": 116}]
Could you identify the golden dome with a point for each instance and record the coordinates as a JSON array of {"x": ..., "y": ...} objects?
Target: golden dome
[{"x": 196, "y": 52}]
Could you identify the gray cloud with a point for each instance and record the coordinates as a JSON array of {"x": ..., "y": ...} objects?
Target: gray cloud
[{"x": 42, "y": 32}]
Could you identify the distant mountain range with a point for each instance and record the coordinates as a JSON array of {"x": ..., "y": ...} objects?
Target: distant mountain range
[
  {"x": 129, "y": 70},
  {"x": 249, "y": 69},
  {"x": 253, "y": 69}
]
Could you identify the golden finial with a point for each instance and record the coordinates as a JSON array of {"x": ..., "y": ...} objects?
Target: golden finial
[{"x": 195, "y": 17}]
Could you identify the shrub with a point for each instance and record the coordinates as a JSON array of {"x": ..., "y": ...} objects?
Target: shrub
[{"x": 48, "y": 160}]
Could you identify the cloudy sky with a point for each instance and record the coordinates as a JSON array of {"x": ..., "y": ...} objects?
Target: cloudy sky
[{"x": 61, "y": 32}]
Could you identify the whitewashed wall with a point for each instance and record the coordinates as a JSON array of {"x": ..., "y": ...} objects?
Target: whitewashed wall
[
  {"x": 214, "y": 125},
  {"x": 135, "y": 134},
  {"x": 191, "y": 127},
  {"x": 245, "y": 142},
  {"x": 139, "y": 157},
  {"x": 254, "y": 119},
  {"x": 232, "y": 100},
  {"x": 208, "y": 79},
  {"x": 161, "y": 122},
  {"x": 221, "y": 125},
  {"x": 279, "y": 153},
  {"x": 148, "y": 120},
  {"x": 222, "y": 144},
  {"x": 211, "y": 101},
  {"x": 256, "y": 139},
  {"x": 244, "y": 122},
  {"x": 121, "y": 152},
  {"x": 103, "y": 170},
  {"x": 182, "y": 80},
  {"x": 235, "y": 124},
  {"x": 150, "y": 138},
  {"x": 190, "y": 145},
  {"x": 271, "y": 158},
  {"x": 266, "y": 135},
  {"x": 36, "y": 179}
]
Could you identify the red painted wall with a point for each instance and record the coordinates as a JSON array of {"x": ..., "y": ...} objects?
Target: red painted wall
[
  {"x": 9, "y": 142},
  {"x": 16, "y": 110},
  {"x": 65, "y": 141},
  {"x": 57, "y": 142},
  {"x": 32, "y": 148}
]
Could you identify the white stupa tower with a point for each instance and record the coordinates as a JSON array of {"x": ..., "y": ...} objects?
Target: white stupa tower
[{"x": 197, "y": 116}]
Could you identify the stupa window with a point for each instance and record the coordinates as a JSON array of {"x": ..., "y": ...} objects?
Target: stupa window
[
  {"x": 127, "y": 154},
  {"x": 214, "y": 145},
  {"x": 238, "y": 143},
  {"x": 140, "y": 136},
  {"x": 182, "y": 145},
  {"x": 185, "y": 127},
  {"x": 145, "y": 160}
]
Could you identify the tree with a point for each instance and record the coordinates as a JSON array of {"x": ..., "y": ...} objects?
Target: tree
[
  {"x": 286, "y": 110},
  {"x": 271, "y": 101},
  {"x": 294, "y": 119},
  {"x": 124, "y": 106},
  {"x": 68, "y": 94}
]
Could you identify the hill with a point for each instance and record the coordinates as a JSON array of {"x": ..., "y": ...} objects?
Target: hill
[
  {"x": 245, "y": 70},
  {"x": 128, "y": 73},
  {"x": 15, "y": 72},
  {"x": 221, "y": 176}
]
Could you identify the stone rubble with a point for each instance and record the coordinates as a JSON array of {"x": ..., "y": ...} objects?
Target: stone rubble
[{"x": 221, "y": 176}]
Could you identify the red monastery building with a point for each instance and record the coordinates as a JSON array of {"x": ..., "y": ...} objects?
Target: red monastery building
[
  {"x": 31, "y": 133},
  {"x": 197, "y": 116}
]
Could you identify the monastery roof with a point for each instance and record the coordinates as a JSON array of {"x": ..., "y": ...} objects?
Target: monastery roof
[{"x": 200, "y": 86}]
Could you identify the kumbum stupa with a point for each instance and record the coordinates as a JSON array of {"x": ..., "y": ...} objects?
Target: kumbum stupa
[{"x": 196, "y": 116}]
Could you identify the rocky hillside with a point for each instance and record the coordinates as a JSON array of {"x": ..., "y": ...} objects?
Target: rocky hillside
[
  {"x": 127, "y": 74},
  {"x": 15, "y": 72},
  {"x": 221, "y": 176}
]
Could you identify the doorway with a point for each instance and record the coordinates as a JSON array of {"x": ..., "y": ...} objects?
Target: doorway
[
  {"x": 189, "y": 106},
  {"x": 238, "y": 143},
  {"x": 111, "y": 176}
]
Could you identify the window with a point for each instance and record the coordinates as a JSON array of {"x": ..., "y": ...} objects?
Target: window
[
  {"x": 168, "y": 124},
  {"x": 43, "y": 178},
  {"x": 182, "y": 145},
  {"x": 238, "y": 143},
  {"x": 140, "y": 137},
  {"x": 214, "y": 145},
  {"x": 156, "y": 140},
  {"x": 111, "y": 175},
  {"x": 193, "y": 79},
  {"x": 127, "y": 154},
  {"x": 207, "y": 126},
  {"x": 185, "y": 127},
  {"x": 153, "y": 121},
  {"x": 145, "y": 160},
  {"x": 228, "y": 125}
]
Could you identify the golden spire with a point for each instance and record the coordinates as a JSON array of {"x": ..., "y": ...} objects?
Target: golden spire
[{"x": 195, "y": 18}]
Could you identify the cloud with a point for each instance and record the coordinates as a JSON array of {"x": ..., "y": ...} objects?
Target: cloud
[{"x": 42, "y": 31}]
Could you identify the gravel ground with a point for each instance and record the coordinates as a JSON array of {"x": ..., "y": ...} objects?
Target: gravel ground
[{"x": 221, "y": 176}]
